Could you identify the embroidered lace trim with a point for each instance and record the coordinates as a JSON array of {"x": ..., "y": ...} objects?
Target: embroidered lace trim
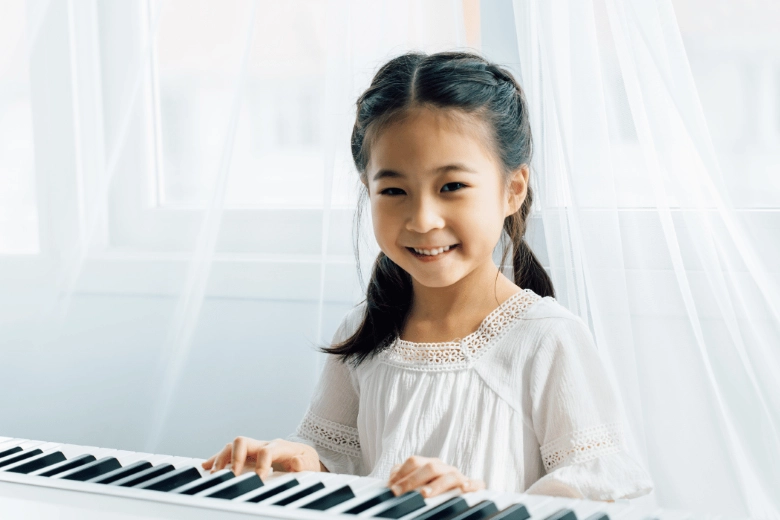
[
  {"x": 460, "y": 353},
  {"x": 331, "y": 435},
  {"x": 583, "y": 445}
]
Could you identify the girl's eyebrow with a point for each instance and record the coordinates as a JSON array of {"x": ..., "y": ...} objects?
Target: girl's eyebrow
[{"x": 455, "y": 167}]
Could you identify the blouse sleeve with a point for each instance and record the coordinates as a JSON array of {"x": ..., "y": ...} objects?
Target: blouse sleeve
[
  {"x": 577, "y": 421},
  {"x": 330, "y": 423}
]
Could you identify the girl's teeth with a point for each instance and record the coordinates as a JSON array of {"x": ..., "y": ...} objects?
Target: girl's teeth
[{"x": 431, "y": 252}]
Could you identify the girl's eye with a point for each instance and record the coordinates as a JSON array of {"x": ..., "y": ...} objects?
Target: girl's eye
[
  {"x": 453, "y": 183},
  {"x": 384, "y": 192}
]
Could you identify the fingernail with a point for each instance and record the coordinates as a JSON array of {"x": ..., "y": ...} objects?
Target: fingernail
[
  {"x": 426, "y": 491},
  {"x": 396, "y": 490}
]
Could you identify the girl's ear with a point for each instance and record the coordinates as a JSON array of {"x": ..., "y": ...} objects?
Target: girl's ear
[{"x": 518, "y": 189}]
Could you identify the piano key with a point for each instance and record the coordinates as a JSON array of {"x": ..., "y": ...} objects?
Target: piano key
[
  {"x": 599, "y": 515},
  {"x": 120, "y": 473},
  {"x": 331, "y": 483},
  {"x": 16, "y": 457},
  {"x": 172, "y": 480},
  {"x": 205, "y": 483},
  {"x": 65, "y": 465},
  {"x": 144, "y": 476},
  {"x": 444, "y": 510},
  {"x": 383, "y": 495},
  {"x": 305, "y": 492},
  {"x": 278, "y": 489},
  {"x": 334, "y": 498},
  {"x": 563, "y": 514},
  {"x": 305, "y": 479},
  {"x": 10, "y": 451},
  {"x": 402, "y": 505},
  {"x": 26, "y": 447},
  {"x": 363, "y": 488},
  {"x": 478, "y": 511},
  {"x": 92, "y": 470},
  {"x": 513, "y": 512},
  {"x": 44, "y": 460}
]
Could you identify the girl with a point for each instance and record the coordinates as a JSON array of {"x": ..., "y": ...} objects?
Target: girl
[{"x": 449, "y": 374}]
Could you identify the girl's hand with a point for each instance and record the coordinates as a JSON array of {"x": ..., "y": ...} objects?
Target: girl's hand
[
  {"x": 279, "y": 454},
  {"x": 432, "y": 474}
]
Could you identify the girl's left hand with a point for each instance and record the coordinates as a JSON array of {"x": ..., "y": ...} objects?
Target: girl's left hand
[{"x": 433, "y": 475}]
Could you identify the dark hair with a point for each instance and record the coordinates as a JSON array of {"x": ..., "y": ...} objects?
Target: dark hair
[{"x": 454, "y": 80}]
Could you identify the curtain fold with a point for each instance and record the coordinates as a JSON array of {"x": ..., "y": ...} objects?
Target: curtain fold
[{"x": 683, "y": 308}]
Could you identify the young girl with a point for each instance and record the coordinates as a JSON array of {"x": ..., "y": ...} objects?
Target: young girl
[{"x": 450, "y": 375}]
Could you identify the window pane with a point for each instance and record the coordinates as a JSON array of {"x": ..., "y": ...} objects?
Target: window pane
[{"x": 18, "y": 211}]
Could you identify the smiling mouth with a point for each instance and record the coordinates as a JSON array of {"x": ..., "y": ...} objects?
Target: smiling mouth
[{"x": 432, "y": 253}]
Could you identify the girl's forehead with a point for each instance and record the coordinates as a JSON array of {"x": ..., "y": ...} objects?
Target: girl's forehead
[{"x": 424, "y": 137}]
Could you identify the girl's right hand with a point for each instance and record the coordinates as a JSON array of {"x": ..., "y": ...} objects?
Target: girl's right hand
[{"x": 279, "y": 454}]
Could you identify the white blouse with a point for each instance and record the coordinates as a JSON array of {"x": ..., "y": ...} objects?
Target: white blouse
[{"x": 522, "y": 403}]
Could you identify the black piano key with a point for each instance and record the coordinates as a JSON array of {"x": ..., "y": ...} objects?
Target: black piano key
[
  {"x": 514, "y": 512},
  {"x": 207, "y": 482},
  {"x": 478, "y": 511},
  {"x": 407, "y": 503},
  {"x": 93, "y": 469},
  {"x": 563, "y": 514},
  {"x": 145, "y": 475},
  {"x": 68, "y": 465},
  {"x": 300, "y": 494},
  {"x": 335, "y": 498},
  {"x": 238, "y": 488},
  {"x": 38, "y": 463},
  {"x": 172, "y": 480},
  {"x": 10, "y": 451},
  {"x": 273, "y": 491},
  {"x": 598, "y": 516},
  {"x": 117, "y": 474},
  {"x": 11, "y": 459},
  {"x": 371, "y": 502},
  {"x": 444, "y": 510}
]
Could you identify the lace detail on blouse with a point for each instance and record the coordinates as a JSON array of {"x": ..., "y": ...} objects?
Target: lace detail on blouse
[
  {"x": 460, "y": 353},
  {"x": 331, "y": 435},
  {"x": 583, "y": 445}
]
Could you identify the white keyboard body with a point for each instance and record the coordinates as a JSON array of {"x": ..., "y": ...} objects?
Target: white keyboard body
[{"x": 35, "y": 496}]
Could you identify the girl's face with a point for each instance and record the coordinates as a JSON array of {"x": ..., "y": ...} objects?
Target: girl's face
[{"x": 434, "y": 182}]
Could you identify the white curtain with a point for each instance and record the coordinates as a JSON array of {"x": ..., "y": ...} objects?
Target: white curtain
[
  {"x": 644, "y": 239},
  {"x": 177, "y": 201}
]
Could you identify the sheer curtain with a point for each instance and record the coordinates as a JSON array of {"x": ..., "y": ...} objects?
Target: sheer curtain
[
  {"x": 645, "y": 240},
  {"x": 177, "y": 202}
]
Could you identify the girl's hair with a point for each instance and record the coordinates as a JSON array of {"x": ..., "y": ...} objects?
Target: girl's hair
[{"x": 447, "y": 80}]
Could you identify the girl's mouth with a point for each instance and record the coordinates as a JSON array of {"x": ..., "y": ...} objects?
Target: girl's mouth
[{"x": 432, "y": 257}]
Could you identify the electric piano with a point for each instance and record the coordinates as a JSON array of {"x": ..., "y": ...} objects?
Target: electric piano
[{"x": 51, "y": 480}]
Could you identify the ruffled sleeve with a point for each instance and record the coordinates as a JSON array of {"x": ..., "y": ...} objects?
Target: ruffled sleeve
[
  {"x": 577, "y": 421},
  {"x": 330, "y": 423}
]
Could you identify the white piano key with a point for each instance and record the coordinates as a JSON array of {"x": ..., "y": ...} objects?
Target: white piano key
[
  {"x": 98, "y": 453},
  {"x": 331, "y": 485},
  {"x": 364, "y": 490},
  {"x": 306, "y": 479},
  {"x": 25, "y": 461},
  {"x": 242, "y": 498},
  {"x": 432, "y": 502},
  {"x": 546, "y": 509}
]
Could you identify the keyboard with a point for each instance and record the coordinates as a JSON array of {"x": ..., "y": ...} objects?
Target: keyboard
[{"x": 41, "y": 480}]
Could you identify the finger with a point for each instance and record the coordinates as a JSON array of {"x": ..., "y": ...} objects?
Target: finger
[
  {"x": 470, "y": 485},
  {"x": 223, "y": 458},
  {"x": 420, "y": 477},
  {"x": 410, "y": 465},
  {"x": 239, "y": 455},
  {"x": 208, "y": 463},
  {"x": 443, "y": 483},
  {"x": 265, "y": 458}
]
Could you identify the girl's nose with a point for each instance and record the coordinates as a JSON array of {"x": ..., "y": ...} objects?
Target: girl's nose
[{"x": 425, "y": 215}]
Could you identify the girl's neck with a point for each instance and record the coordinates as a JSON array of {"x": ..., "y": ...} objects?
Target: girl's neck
[{"x": 456, "y": 310}]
